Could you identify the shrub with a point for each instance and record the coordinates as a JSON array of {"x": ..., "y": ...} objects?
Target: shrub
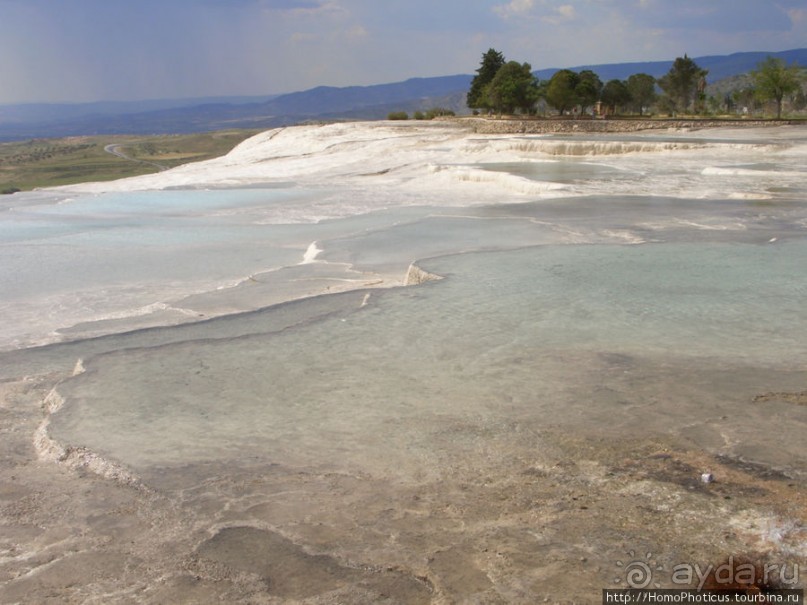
[
  {"x": 398, "y": 115},
  {"x": 436, "y": 112}
]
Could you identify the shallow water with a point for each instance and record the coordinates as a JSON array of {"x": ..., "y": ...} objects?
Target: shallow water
[{"x": 482, "y": 342}]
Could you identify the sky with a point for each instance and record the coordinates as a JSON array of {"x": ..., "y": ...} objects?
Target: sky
[{"x": 93, "y": 50}]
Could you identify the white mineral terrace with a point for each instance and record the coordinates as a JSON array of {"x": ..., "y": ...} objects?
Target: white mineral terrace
[{"x": 407, "y": 363}]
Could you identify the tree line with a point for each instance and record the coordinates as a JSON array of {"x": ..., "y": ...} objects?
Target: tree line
[
  {"x": 507, "y": 87},
  {"x": 429, "y": 114}
]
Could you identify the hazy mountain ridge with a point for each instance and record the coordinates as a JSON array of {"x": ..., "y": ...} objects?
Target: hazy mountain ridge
[{"x": 320, "y": 103}]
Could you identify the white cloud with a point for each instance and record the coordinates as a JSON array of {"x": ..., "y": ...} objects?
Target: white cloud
[
  {"x": 798, "y": 15},
  {"x": 561, "y": 14},
  {"x": 295, "y": 8},
  {"x": 356, "y": 32},
  {"x": 545, "y": 11},
  {"x": 514, "y": 8}
]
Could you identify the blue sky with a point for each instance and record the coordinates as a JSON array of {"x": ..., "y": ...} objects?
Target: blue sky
[{"x": 87, "y": 50}]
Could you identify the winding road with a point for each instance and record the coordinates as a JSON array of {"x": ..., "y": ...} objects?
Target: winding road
[{"x": 115, "y": 149}]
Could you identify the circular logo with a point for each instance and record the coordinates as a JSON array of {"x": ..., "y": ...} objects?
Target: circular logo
[{"x": 638, "y": 573}]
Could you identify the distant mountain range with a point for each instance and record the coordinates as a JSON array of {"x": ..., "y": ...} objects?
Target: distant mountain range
[{"x": 317, "y": 104}]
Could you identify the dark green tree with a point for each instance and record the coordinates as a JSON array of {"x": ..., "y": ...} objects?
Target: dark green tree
[
  {"x": 684, "y": 83},
  {"x": 588, "y": 89},
  {"x": 642, "y": 89},
  {"x": 615, "y": 95},
  {"x": 773, "y": 79},
  {"x": 492, "y": 62},
  {"x": 561, "y": 93},
  {"x": 513, "y": 87}
]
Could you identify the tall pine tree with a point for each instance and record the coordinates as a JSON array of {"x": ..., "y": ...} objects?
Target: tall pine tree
[
  {"x": 492, "y": 62},
  {"x": 683, "y": 83}
]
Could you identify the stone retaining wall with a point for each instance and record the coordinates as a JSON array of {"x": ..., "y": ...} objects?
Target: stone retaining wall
[{"x": 538, "y": 126}]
